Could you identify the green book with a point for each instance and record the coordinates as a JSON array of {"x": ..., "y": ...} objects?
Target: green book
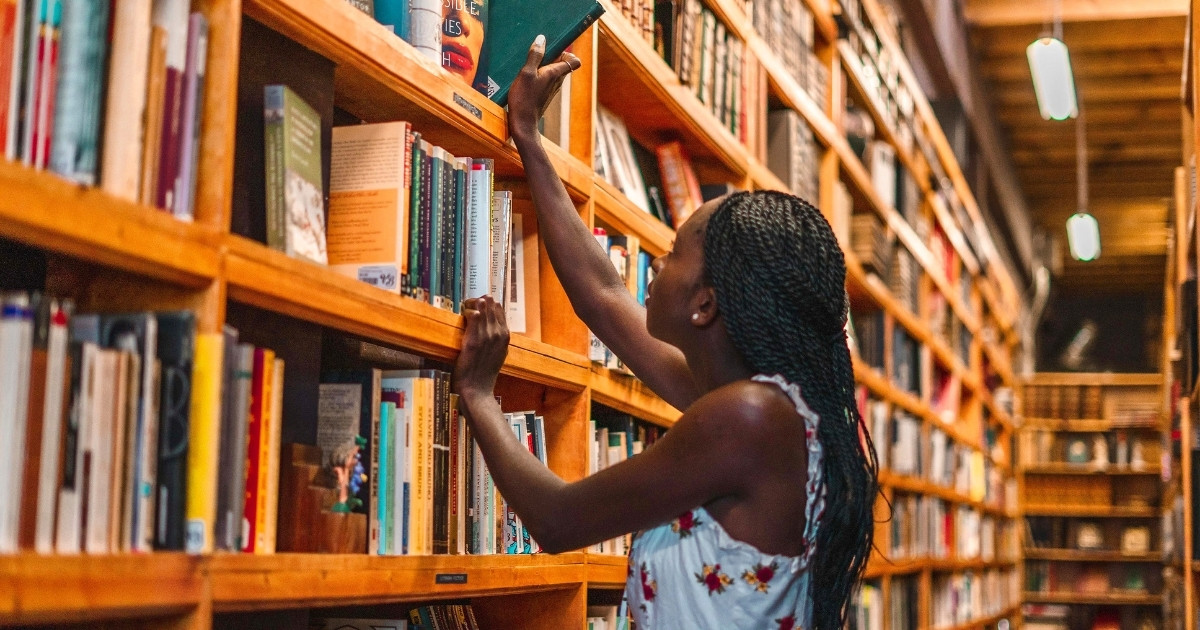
[
  {"x": 295, "y": 198},
  {"x": 513, "y": 25}
]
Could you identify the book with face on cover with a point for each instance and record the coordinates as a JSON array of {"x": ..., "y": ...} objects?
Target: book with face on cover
[{"x": 513, "y": 27}]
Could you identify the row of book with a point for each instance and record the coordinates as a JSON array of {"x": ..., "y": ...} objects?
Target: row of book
[
  {"x": 880, "y": 76},
  {"x": 961, "y": 598},
  {"x": 922, "y": 526},
  {"x": 96, "y": 409},
  {"x": 1126, "y": 578},
  {"x": 1119, "y": 449},
  {"x": 660, "y": 182},
  {"x": 1121, "y": 407},
  {"x": 431, "y": 617},
  {"x": 428, "y": 490},
  {"x": 867, "y": 609},
  {"x": 788, "y": 28},
  {"x": 616, "y": 437},
  {"x": 106, "y": 94},
  {"x": 708, "y": 58},
  {"x": 633, "y": 265},
  {"x": 404, "y": 215}
]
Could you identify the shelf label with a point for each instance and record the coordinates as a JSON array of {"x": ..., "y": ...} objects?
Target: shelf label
[
  {"x": 450, "y": 578},
  {"x": 465, "y": 104}
]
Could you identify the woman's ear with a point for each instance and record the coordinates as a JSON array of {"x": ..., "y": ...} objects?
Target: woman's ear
[{"x": 704, "y": 307}]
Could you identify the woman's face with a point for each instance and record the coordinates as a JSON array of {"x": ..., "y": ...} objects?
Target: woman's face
[
  {"x": 462, "y": 36},
  {"x": 678, "y": 278}
]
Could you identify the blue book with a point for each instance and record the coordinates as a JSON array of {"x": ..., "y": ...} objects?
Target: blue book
[
  {"x": 383, "y": 453},
  {"x": 75, "y": 143},
  {"x": 394, "y": 15}
]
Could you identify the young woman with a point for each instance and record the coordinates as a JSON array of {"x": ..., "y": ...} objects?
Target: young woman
[{"x": 755, "y": 509}]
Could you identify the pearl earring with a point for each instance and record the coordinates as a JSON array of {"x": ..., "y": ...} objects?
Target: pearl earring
[{"x": 695, "y": 316}]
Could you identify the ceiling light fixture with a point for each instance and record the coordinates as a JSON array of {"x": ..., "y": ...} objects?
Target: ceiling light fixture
[
  {"x": 1050, "y": 65},
  {"x": 1083, "y": 231}
]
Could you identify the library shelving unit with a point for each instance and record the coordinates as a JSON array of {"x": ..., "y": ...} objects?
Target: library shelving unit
[
  {"x": 1091, "y": 475},
  {"x": 109, "y": 254}
]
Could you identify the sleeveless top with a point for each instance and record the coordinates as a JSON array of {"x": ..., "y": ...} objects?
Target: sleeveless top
[{"x": 689, "y": 574}]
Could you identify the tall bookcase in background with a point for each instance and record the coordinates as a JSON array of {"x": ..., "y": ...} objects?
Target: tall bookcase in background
[
  {"x": 933, "y": 312},
  {"x": 1095, "y": 504}
]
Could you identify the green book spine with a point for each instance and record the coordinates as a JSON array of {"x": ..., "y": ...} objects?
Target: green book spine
[
  {"x": 414, "y": 217},
  {"x": 295, "y": 201},
  {"x": 435, "y": 225},
  {"x": 273, "y": 136},
  {"x": 460, "y": 219}
]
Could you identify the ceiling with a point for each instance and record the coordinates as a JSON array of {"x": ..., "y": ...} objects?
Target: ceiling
[{"x": 1127, "y": 56}]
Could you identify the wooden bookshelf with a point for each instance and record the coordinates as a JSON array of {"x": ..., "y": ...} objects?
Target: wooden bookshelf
[
  {"x": 158, "y": 262},
  {"x": 1078, "y": 555},
  {"x": 1110, "y": 598}
]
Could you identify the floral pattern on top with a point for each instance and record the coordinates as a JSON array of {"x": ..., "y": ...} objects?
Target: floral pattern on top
[
  {"x": 684, "y": 524},
  {"x": 712, "y": 577},
  {"x": 760, "y": 576}
]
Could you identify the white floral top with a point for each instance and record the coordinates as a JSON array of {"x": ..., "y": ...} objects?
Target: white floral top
[{"x": 689, "y": 574}]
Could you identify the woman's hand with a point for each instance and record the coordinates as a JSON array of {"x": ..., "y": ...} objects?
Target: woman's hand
[
  {"x": 484, "y": 347},
  {"x": 533, "y": 88}
]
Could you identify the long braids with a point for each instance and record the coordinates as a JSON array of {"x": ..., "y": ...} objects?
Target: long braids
[{"x": 779, "y": 277}]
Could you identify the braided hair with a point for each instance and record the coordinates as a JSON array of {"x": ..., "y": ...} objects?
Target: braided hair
[{"x": 779, "y": 278}]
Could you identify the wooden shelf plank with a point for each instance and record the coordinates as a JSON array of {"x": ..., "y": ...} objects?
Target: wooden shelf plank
[
  {"x": 989, "y": 620},
  {"x": 1102, "y": 511},
  {"x": 1087, "y": 469},
  {"x": 64, "y": 589},
  {"x": 1067, "y": 378},
  {"x": 1085, "y": 425},
  {"x": 607, "y": 571},
  {"x": 271, "y": 280},
  {"x": 630, "y": 395},
  {"x": 48, "y": 212},
  {"x": 616, "y": 210},
  {"x": 1079, "y": 555},
  {"x": 1107, "y": 598},
  {"x": 917, "y": 485},
  {"x": 248, "y": 582},
  {"x": 879, "y": 566}
]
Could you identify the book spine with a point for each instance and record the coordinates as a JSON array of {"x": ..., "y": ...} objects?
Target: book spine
[
  {"x": 193, "y": 110},
  {"x": 264, "y": 452},
  {"x": 425, "y": 233},
  {"x": 274, "y": 444},
  {"x": 478, "y": 234},
  {"x": 74, "y": 151},
  {"x": 273, "y": 105},
  {"x": 441, "y": 464},
  {"x": 425, "y": 28},
  {"x": 501, "y": 231},
  {"x": 172, "y": 16},
  {"x": 203, "y": 437},
  {"x": 454, "y": 490},
  {"x": 16, "y": 337},
  {"x": 123, "y": 137},
  {"x": 156, "y": 77},
  {"x": 437, "y": 211},
  {"x": 413, "y": 275},
  {"x": 375, "y": 484},
  {"x": 394, "y": 14},
  {"x": 462, "y": 195},
  {"x": 252, "y": 455},
  {"x": 10, "y": 34},
  {"x": 57, "y": 390},
  {"x": 388, "y": 479}
]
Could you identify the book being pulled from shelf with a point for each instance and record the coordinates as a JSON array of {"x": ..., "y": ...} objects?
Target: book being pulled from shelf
[{"x": 106, "y": 94}]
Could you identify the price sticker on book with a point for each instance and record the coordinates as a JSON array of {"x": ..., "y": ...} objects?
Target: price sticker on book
[{"x": 382, "y": 276}]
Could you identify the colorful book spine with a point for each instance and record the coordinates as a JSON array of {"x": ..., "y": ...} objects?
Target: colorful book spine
[
  {"x": 274, "y": 448},
  {"x": 393, "y": 14},
  {"x": 192, "y": 111},
  {"x": 75, "y": 149},
  {"x": 172, "y": 17},
  {"x": 203, "y": 444},
  {"x": 125, "y": 105},
  {"x": 11, "y": 38}
]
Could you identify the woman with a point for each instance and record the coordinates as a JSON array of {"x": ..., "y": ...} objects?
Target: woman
[{"x": 755, "y": 509}]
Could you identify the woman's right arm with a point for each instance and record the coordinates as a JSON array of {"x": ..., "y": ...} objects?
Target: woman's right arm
[{"x": 597, "y": 293}]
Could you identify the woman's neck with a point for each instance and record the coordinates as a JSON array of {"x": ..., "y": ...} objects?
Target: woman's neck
[{"x": 715, "y": 361}]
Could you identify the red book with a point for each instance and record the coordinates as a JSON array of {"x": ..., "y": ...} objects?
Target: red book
[
  {"x": 43, "y": 112},
  {"x": 8, "y": 32},
  {"x": 680, "y": 185},
  {"x": 259, "y": 401}
]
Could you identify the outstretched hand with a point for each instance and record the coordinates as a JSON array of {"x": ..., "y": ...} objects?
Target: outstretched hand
[
  {"x": 484, "y": 347},
  {"x": 534, "y": 87}
]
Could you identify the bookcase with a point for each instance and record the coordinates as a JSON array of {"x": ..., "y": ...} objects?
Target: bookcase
[
  {"x": 1096, "y": 507},
  {"x": 934, "y": 371}
]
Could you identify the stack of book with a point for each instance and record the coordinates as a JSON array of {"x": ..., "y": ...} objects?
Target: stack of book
[
  {"x": 870, "y": 337},
  {"x": 640, "y": 13},
  {"x": 904, "y": 279},
  {"x": 616, "y": 438},
  {"x": 106, "y": 94},
  {"x": 870, "y": 243},
  {"x": 866, "y": 610}
]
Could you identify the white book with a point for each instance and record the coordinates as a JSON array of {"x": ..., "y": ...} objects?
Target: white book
[
  {"x": 274, "y": 438},
  {"x": 48, "y": 472},
  {"x": 478, "y": 231},
  {"x": 370, "y": 183},
  {"x": 515, "y": 304},
  {"x": 425, "y": 28},
  {"x": 16, "y": 346},
  {"x": 99, "y": 454},
  {"x": 128, "y": 72},
  {"x": 501, "y": 242}
]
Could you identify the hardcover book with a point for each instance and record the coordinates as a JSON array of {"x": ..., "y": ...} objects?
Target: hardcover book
[
  {"x": 514, "y": 25},
  {"x": 295, "y": 199}
]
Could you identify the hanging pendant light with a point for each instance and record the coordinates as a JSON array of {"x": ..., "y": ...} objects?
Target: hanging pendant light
[
  {"x": 1083, "y": 231},
  {"x": 1053, "y": 80}
]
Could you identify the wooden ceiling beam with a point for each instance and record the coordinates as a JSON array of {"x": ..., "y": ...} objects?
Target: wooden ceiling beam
[
  {"x": 1009, "y": 13},
  {"x": 1095, "y": 64},
  {"x": 1111, "y": 113},
  {"x": 1171, "y": 155},
  {"x": 1097, "y": 132},
  {"x": 1086, "y": 37},
  {"x": 1096, "y": 94}
]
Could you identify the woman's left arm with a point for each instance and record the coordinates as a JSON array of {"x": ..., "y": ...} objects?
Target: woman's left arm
[{"x": 711, "y": 452}]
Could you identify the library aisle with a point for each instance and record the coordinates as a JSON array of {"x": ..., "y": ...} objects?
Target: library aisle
[{"x": 236, "y": 236}]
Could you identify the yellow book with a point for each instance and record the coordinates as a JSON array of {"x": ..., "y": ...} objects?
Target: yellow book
[
  {"x": 204, "y": 437},
  {"x": 264, "y": 450},
  {"x": 275, "y": 435},
  {"x": 423, "y": 434}
]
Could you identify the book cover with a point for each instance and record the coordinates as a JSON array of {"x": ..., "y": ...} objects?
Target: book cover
[
  {"x": 425, "y": 28},
  {"x": 204, "y": 434},
  {"x": 11, "y": 38},
  {"x": 152, "y": 121},
  {"x": 176, "y": 348},
  {"x": 400, "y": 393},
  {"x": 464, "y": 40},
  {"x": 393, "y": 14},
  {"x": 125, "y": 102},
  {"x": 16, "y": 345},
  {"x": 680, "y": 185},
  {"x": 478, "y": 231},
  {"x": 513, "y": 27},
  {"x": 369, "y": 192},
  {"x": 295, "y": 197},
  {"x": 501, "y": 242}
]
